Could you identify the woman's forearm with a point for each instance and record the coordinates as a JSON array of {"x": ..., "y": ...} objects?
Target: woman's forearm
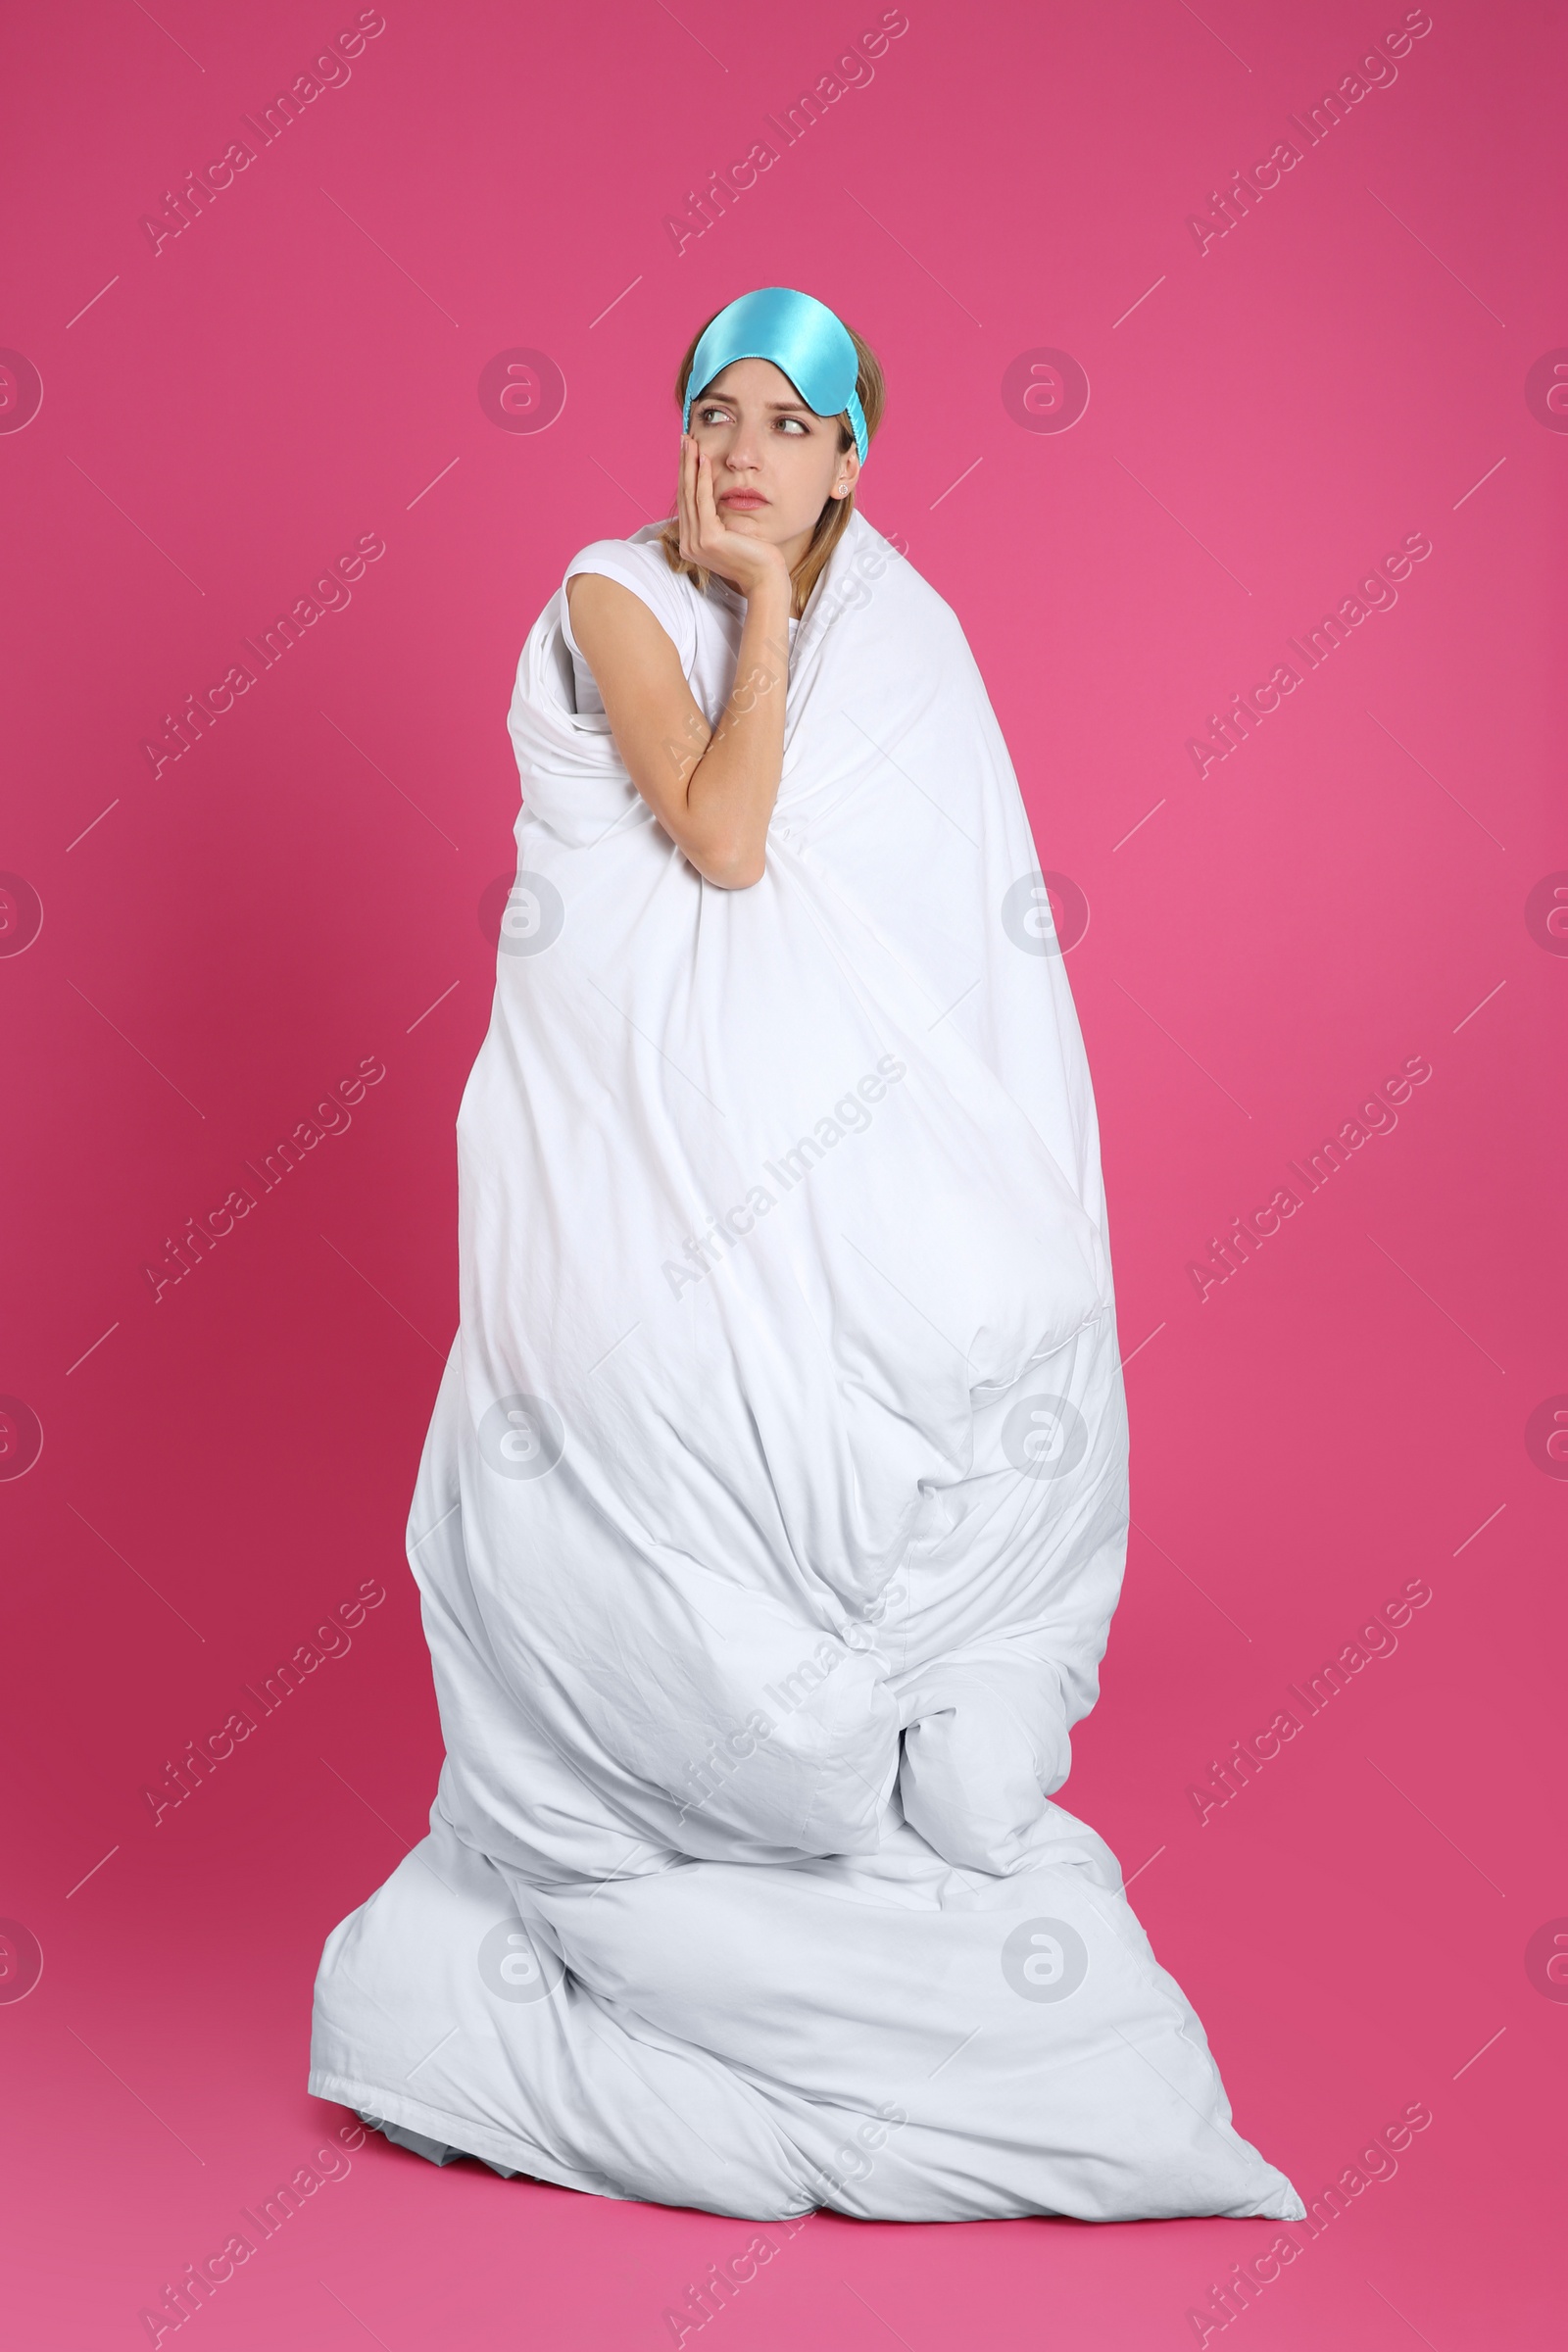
[{"x": 731, "y": 790}]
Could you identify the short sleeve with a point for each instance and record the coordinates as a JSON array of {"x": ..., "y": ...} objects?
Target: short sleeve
[{"x": 638, "y": 565}]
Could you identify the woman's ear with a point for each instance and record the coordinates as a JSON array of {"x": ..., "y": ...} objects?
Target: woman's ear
[{"x": 849, "y": 474}]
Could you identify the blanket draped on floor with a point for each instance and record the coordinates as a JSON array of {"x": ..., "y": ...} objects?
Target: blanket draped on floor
[{"x": 773, "y": 1511}]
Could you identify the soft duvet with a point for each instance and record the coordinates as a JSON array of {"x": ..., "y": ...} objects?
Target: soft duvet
[{"x": 773, "y": 1511}]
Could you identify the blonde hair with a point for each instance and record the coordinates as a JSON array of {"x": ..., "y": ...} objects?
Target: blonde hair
[{"x": 834, "y": 519}]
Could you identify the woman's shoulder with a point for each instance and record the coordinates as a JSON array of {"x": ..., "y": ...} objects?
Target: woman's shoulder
[{"x": 639, "y": 564}]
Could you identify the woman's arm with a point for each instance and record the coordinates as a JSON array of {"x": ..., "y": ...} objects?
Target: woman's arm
[{"x": 712, "y": 789}]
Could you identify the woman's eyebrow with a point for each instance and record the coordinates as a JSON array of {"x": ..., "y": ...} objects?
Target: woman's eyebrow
[{"x": 796, "y": 407}]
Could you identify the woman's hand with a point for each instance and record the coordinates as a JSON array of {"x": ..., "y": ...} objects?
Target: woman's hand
[{"x": 705, "y": 539}]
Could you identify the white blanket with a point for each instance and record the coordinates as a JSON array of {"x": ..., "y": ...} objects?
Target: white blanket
[{"x": 773, "y": 1511}]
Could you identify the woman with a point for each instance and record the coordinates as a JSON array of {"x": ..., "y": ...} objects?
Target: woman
[
  {"x": 766, "y": 532},
  {"x": 773, "y": 1508}
]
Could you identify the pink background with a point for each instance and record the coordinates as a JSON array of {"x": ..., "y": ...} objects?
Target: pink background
[{"x": 1353, "y": 886}]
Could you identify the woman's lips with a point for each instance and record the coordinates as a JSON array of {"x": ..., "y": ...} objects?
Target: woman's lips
[{"x": 742, "y": 499}]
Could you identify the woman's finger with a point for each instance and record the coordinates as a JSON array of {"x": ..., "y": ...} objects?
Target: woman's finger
[
  {"x": 688, "y": 493},
  {"x": 708, "y": 524},
  {"x": 688, "y": 476}
]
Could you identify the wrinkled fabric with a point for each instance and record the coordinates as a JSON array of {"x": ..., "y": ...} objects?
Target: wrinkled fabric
[
  {"x": 434, "y": 2151},
  {"x": 773, "y": 1511}
]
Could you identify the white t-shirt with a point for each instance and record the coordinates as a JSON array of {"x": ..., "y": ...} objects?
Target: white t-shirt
[{"x": 705, "y": 629}]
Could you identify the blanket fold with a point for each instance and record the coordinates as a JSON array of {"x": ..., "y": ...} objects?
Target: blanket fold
[{"x": 773, "y": 1511}]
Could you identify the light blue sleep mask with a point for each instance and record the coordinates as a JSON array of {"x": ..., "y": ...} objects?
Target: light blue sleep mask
[{"x": 800, "y": 336}]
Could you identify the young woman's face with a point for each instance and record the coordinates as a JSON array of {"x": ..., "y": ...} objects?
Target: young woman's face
[{"x": 775, "y": 464}]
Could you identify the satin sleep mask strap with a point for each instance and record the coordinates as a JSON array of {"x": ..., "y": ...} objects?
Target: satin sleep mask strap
[{"x": 801, "y": 337}]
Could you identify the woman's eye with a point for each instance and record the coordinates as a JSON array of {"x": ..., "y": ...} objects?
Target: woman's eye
[{"x": 712, "y": 415}]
